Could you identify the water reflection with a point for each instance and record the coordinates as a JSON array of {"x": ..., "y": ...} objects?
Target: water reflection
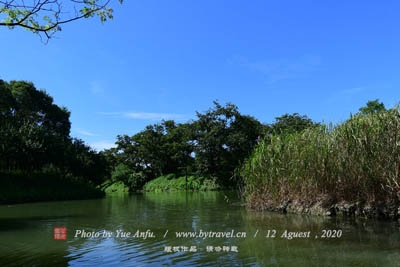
[{"x": 26, "y": 234}]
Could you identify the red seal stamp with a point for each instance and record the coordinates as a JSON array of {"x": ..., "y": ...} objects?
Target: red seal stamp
[{"x": 60, "y": 233}]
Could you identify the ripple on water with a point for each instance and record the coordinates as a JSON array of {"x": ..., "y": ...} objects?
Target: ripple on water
[{"x": 26, "y": 234}]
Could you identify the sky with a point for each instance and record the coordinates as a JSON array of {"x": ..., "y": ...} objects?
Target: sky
[{"x": 168, "y": 59}]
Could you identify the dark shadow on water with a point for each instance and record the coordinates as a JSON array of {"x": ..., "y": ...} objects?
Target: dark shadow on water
[{"x": 7, "y": 224}]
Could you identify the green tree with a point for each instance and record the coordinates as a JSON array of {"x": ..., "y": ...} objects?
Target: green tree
[
  {"x": 32, "y": 128},
  {"x": 34, "y": 135},
  {"x": 157, "y": 150},
  {"x": 212, "y": 145},
  {"x": 372, "y": 107},
  {"x": 291, "y": 123},
  {"x": 80, "y": 160},
  {"x": 177, "y": 146},
  {"x": 46, "y": 17},
  {"x": 7, "y": 102},
  {"x": 38, "y": 107},
  {"x": 122, "y": 172},
  {"x": 223, "y": 138}
]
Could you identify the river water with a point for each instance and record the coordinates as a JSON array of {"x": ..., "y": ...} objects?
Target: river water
[{"x": 27, "y": 234}]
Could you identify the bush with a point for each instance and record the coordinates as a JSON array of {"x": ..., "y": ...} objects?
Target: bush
[
  {"x": 115, "y": 187},
  {"x": 123, "y": 173},
  {"x": 171, "y": 182},
  {"x": 136, "y": 181}
]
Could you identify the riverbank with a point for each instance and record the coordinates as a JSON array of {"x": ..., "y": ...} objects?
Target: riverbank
[
  {"x": 17, "y": 187},
  {"x": 171, "y": 182},
  {"x": 324, "y": 206},
  {"x": 350, "y": 169}
]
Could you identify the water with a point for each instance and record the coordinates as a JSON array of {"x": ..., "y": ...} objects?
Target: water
[{"x": 26, "y": 234}]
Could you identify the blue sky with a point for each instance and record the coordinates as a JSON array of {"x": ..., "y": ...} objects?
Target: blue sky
[{"x": 168, "y": 59}]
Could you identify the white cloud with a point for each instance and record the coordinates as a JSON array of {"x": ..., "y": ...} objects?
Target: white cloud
[
  {"x": 84, "y": 132},
  {"x": 146, "y": 115},
  {"x": 153, "y": 116},
  {"x": 102, "y": 145}
]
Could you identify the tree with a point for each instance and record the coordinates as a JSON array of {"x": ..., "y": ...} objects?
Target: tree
[
  {"x": 213, "y": 145},
  {"x": 291, "y": 123},
  {"x": 372, "y": 107},
  {"x": 177, "y": 146},
  {"x": 80, "y": 160},
  {"x": 34, "y": 136},
  {"x": 223, "y": 139},
  {"x": 122, "y": 172},
  {"x": 38, "y": 107},
  {"x": 45, "y": 17},
  {"x": 33, "y": 130},
  {"x": 157, "y": 150}
]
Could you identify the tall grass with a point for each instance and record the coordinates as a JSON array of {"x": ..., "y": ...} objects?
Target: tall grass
[{"x": 358, "y": 160}]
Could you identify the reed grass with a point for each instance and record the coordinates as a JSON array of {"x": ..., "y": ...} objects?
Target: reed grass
[{"x": 358, "y": 160}]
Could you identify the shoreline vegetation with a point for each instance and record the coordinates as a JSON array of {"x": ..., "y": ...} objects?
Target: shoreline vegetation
[
  {"x": 352, "y": 169},
  {"x": 170, "y": 182},
  {"x": 39, "y": 159},
  {"x": 291, "y": 165}
]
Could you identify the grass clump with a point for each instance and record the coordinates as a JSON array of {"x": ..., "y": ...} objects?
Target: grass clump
[
  {"x": 118, "y": 186},
  {"x": 172, "y": 183},
  {"x": 358, "y": 161}
]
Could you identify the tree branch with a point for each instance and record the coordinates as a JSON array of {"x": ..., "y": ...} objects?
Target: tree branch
[{"x": 25, "y": 16}]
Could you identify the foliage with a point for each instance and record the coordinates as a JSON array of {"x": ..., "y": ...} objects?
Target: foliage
[
  {"x": 172, "y": 183},
  {"x": 159, "y": 149},
  {"x": 122, "y": 173},
  {"x": 213, "y": 145},
  {"x": 34, "y": 135},
  {"x": 118, "y": 186},
  {"x": 373, "y": 106},
  {"x": 290, "y": 124},
  {"x": 82, "y": 161},
  {"x": 47, "y": 16},
  {"x": 224, "y": 138},
  {"x": 355, "y": 161},
  {"x": 31, "y": 126}
]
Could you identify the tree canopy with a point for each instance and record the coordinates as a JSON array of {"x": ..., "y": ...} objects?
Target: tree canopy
[
  {"x": 372, "y": 106},
  {"x": 223, "y": 138},
  {"x": 159, "y": 149},
  {"x": 290, "y": 123},
  {"x": 46, "y": 17},
  {"x": 212, "y": 145},
  {"x": 35, "y": 135}
]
